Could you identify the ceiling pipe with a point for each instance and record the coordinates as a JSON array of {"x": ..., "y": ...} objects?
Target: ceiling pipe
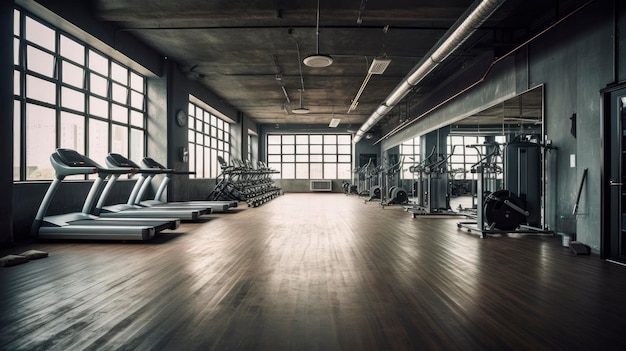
[
  {"x": 487, "y": 72},
  {"x": 462, "y": 29}
]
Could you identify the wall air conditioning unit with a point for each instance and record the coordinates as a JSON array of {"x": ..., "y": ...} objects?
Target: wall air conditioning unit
[{"x": 321, "y": 185}]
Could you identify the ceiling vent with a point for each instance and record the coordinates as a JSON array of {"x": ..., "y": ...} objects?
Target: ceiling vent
[{"x": 379, "y": 65}]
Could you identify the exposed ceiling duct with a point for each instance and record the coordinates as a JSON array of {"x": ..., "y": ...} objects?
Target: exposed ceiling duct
[{"x": 462, "y": 29}]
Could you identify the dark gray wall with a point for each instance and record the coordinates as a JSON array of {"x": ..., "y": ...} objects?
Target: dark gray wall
[
  {"x": 574, "y": 61},
  {"x": 6, "y": 123}
]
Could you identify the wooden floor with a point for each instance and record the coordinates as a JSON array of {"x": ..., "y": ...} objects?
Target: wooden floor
[{"x": 314, "y": 272}]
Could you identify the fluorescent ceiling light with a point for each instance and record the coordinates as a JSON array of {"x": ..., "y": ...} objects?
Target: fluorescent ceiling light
[
  {"x": 334, "y": 122},
  {"x": 378, "y": 66}
]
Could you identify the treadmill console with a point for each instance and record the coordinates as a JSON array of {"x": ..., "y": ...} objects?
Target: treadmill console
[
  {"x": 151, "y": 163},
  {"x": 73, "y": 158},
  {"x": 121, "y": 161}
]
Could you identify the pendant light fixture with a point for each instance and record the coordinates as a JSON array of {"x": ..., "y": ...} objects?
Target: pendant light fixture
[
  {"x": 318, "y": 60},
  {"x": 300, "y": 110}
]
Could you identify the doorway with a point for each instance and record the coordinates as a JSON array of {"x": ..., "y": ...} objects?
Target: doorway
[{"x": 614, "y": 176}]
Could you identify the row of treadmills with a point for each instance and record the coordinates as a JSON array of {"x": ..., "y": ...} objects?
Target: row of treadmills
[{"x": 137, "y": 219}]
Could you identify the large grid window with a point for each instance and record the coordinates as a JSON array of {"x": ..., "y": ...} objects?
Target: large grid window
[
  {"x": 315, "y": 156},
  {"x": 69, "y": 95},
  {"x": 410, "y": 154},
  {"x": 209, "y": 137}
]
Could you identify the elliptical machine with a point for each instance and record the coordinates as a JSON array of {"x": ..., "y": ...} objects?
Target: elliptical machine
[{"x": 395, "y": 194}]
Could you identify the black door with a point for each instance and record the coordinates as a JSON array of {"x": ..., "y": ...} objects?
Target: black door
[{"x": 614, "y": 209}]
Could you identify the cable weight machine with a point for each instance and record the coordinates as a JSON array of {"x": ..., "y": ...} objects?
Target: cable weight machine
[
  {"x": 430, "y": 171},
  {"x": 505, "y": 211}
]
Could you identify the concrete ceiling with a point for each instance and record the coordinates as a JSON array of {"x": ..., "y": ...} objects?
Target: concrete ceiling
[{"x": 247, "y": 51}]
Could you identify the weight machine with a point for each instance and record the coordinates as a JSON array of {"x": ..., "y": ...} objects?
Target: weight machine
[
  {"x": 431, "y": 172},
  {"x": 503, "y": 211},
  {"x": 393, "y": 195}
]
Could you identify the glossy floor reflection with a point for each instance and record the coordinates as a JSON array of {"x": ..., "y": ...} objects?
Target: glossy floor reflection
[{"x": 314, "y": 272}]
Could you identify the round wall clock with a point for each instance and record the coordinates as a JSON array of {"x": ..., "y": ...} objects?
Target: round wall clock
[{"x": 181, "y": 118}]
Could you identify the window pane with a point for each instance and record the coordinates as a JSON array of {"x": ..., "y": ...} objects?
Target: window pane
[
  {"x": 40, "y": 141},
  {"x": 330, "y": 139},
  {"x": 330, "y": 149},
  {"x": 98, "y": 140},
  {"x": 199, "y": 161},
  {"x": 17, "y": 139},
  {"x": 330, "y": 158},
  {"x": 40, "y": 34},
  {"x": 17, "y": 87},
  {"x": 98, "y": 63},
  {"x": 136, "y": 100},
  {"x": 136, "y": 82},
  {"x": 302, "y": 139},
  {"x": 16, "y": 51},
  {"x": 192, "y": 158},
  {"x": 39, "y": 61},
  {"x": 302, "y": 149},
  {"x": 41, "y": 90},
  {"x": 207, "y": 163},
  {"x": 315, "y": 149},
  {"x": 136, "y": 144},
  {"x": 119, "y": 93},
  {"x": 289, "y": 139},
  {"x": 136, "y": 118},
  {"x": 302, "y": 158},
  {"x": 344, "y": 149},
  {"x": 289, "y": 158},
  {"x": 273, "y": 158},
  {"x": 273, "y": 149},
  {"x": 288, "y": 149},
  {"x": 344, "y": 158},
  {"x": 316, "y": 170},
  {"x": 315, "y": 139},
  {"x": 288, "y": 171},
  {"x": 302, "y": 171},
  {"x": 72, "y": 132},
  {"x": 119, "y": 73},
  {"x": 119, "y": 113},
  {"x": 98, "y": 85},
  {"x": 330, "y": 170},
  {"x": 316, "y": 158},
  {"x": 73, "y": 75},
  {"x": 16, "y": 22},
  {"x": 98, "y": 107},
  {"x": 344, "y": 139},
  {"x": 72, "y": 50},
  {"x": 119, "y": 139},
  {"x": 215, "y": 168},
  {"x": 344, "y": 171},
  {"x": 273, "y": 139},
  {"x": 72, "y": 99}
]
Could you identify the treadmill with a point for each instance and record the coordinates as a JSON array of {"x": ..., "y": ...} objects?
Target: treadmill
[
  {"x": 129, "y": 209},
  {"x": 83, "y": 225},
  {"x": 217, "y": 206}
]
